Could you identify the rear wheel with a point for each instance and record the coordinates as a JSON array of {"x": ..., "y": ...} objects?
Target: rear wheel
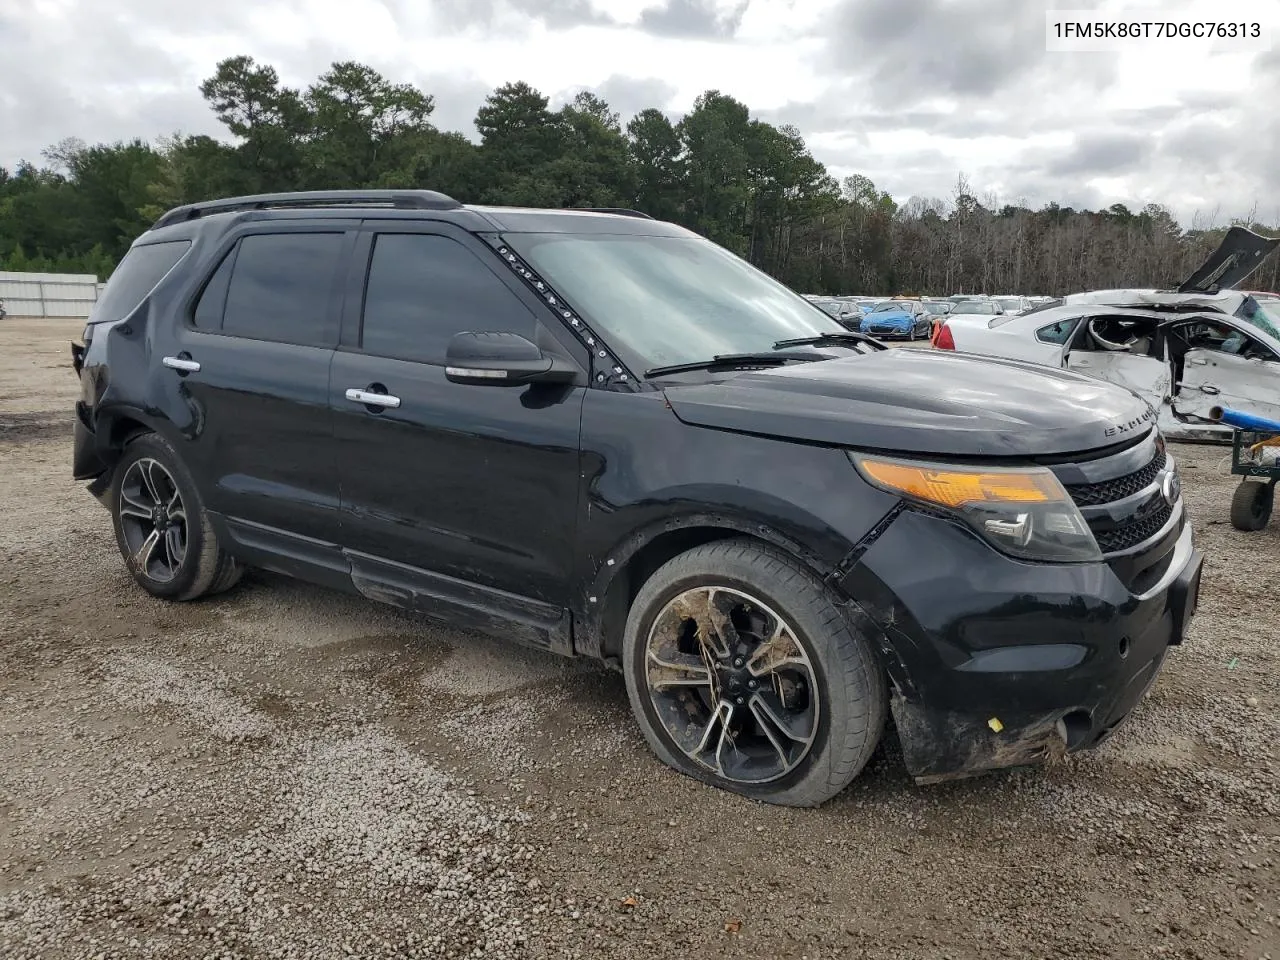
[
  {"x": 742, "y": 672},
  {"x": 161, "y": 526},
  {"x": 1251, "y": 505}
]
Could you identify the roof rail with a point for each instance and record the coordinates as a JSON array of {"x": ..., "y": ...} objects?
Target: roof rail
[
  {"x": 400, "y": 199},
  {"x": 620, "y": 211}
]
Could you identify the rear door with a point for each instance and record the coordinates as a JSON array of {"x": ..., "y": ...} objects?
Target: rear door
[
  {"x": 458, "y": 493},
  {"x": 254, "y": 357}
]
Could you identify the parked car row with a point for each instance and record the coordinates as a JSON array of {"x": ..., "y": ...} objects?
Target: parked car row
[
  {"x": 1184, "y": 351},
  {"x": 914, "y": 318}
]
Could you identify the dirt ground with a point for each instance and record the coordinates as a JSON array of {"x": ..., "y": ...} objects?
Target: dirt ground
[{"x": 289, "y": 772}]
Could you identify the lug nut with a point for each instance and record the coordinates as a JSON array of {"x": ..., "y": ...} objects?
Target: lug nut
[
  {"x": 740, "y": 701},
  {"x": 752, "y": 684},
  {"x": 737, "y": 662}
]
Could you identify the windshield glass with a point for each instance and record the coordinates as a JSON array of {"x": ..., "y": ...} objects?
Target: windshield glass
[
  {"x": 974, "y": 306},
  {"x": 1263, "y": 314},
  {"x": 893, "y": 306},
  {"x": 937, "y": 307},
  {"x": 669, "y": 300},
  {"x": 1010, "y": 304}
]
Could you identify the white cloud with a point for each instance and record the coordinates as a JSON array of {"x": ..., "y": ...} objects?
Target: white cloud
[{"x": 907, "y": 92}]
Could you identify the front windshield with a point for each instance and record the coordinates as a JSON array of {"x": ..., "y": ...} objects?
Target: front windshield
[
  {"x": 670, "y": 300},
  {"x": 936, "y": 308},
  {"x": 1263, "y": 314},
  {"x": 893, "y": 306},
  {"x": 1009, "y": 304}
]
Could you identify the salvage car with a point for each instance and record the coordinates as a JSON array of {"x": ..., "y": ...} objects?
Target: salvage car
[
  {"x": 898, "y": 319},
  {"x": 604, "y": 436},
  {"x": 1184, "y": 351}
]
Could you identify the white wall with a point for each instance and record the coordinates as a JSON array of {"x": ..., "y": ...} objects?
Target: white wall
[{"x": 49, "y": 294}]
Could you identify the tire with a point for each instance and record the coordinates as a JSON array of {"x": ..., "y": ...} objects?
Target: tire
[
  {"x": 1251, "y": 505},
  {"x": 834, "y": 732},
  {"x": 174, "y": 553}
]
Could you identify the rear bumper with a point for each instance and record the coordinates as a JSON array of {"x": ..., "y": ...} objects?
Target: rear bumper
[
  {"x": 998, "y": 663},
  {"x": 85, "y": 461}
]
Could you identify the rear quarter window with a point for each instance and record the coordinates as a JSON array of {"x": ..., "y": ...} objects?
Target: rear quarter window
[{"x": 140, "y": 272}]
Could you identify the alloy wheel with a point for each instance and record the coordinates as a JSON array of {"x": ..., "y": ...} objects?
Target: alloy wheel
[
  {"x": 153, "y": 520},
  {"x": 732, "y": 685}
]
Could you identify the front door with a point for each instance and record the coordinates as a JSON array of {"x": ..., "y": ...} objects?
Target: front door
[
  {"x": 1211, "y": 378},
  {"x": 458, "y": 491}
]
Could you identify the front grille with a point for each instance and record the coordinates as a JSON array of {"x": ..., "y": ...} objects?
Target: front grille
[
  {"x": 1119, "y": 527},
  {"x": 1092, "y": 494},
  {"x": 1131, "y": 534}
]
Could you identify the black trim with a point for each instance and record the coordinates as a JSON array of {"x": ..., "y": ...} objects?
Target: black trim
[
  {"x": 463, "y": 604},
  {"x": 399, "y": 199},
  {"x": 271, "y": 548}
]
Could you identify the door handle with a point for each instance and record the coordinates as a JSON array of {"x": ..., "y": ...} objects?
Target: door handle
[
  {"x": 370, "y": 399},
  {"x": 1210, "y": 389},
  {"x": 181, "y": 363},
  {"x": 1198, "y": 361}
]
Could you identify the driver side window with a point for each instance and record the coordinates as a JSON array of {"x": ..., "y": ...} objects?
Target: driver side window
[{"x": 1211, "y": 335}]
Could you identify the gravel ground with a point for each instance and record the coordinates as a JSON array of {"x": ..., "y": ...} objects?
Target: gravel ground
[{"x": 287, "y": 772}]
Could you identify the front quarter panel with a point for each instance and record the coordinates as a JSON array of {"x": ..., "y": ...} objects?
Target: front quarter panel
[{"x": 645, "y": 473}]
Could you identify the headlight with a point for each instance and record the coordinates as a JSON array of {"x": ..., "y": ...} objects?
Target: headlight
[{"x": 1023, "y": 511}]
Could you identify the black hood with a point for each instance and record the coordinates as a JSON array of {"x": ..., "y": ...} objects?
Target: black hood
[{"x": 924, "y": 402}]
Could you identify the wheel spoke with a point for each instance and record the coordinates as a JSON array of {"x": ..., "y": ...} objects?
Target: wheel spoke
[
  {"x": 673, "y": 669},
  {"x": 142, "y": 556},
  {"x": 767, "y": 729},
  {"x": 145, "y": 469},
  {"x": 770, "y": 712},
  {"x": 173, "y": 509},
  {"x": 715, "y": 629},
  {"x": 131, "y": 506},
  {"x": 780, "y": 652},
  {"x": 174, "y": 548}
]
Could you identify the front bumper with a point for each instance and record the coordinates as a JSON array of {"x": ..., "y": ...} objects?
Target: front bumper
[{"x": 996, "y": 662}]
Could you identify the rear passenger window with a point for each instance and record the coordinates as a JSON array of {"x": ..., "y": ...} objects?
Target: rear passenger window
[
  {"x": 281, "y": 288},
  {"x": 423, "y": 289},
  {"x": 1059, "y": 332},
  {"x": 208, "y": 312},
  {"x": 140, "y": 272}
]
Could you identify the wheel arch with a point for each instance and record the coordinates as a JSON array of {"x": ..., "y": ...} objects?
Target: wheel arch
[{"x": 624, "y": 571}]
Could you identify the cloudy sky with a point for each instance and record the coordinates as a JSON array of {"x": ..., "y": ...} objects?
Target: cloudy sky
[{"x": 908, "y": 92}]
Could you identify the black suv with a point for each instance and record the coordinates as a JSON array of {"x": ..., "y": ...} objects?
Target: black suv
[{"x": 602, "y": 435}]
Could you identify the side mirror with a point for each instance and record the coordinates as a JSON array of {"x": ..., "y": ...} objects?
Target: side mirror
[{"x": 502, "y": 360}]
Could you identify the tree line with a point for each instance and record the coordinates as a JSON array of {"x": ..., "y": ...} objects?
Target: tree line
[{"x": 746, "y": 184}]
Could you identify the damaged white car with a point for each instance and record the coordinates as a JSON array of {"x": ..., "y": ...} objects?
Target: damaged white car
[{"x": 1184, "y": 351}]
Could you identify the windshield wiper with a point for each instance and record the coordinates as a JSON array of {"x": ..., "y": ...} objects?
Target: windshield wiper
[
  {"x": 739, "y": 360},
  {"x": 844, "y": 336}
]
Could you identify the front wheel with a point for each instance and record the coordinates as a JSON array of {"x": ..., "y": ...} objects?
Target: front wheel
[
  {"x": 162, "y": 529},
  {"x": 742, "y": 672}
]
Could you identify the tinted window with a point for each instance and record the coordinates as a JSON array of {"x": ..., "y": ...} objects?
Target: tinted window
[
  {"x": 208, "y": 312},
  {"x": 1059, "y": 332},
  {"x": 138, "y": 274},
  {"x": 281, "y": 288},
  {"x": 423, "y": 289}
]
